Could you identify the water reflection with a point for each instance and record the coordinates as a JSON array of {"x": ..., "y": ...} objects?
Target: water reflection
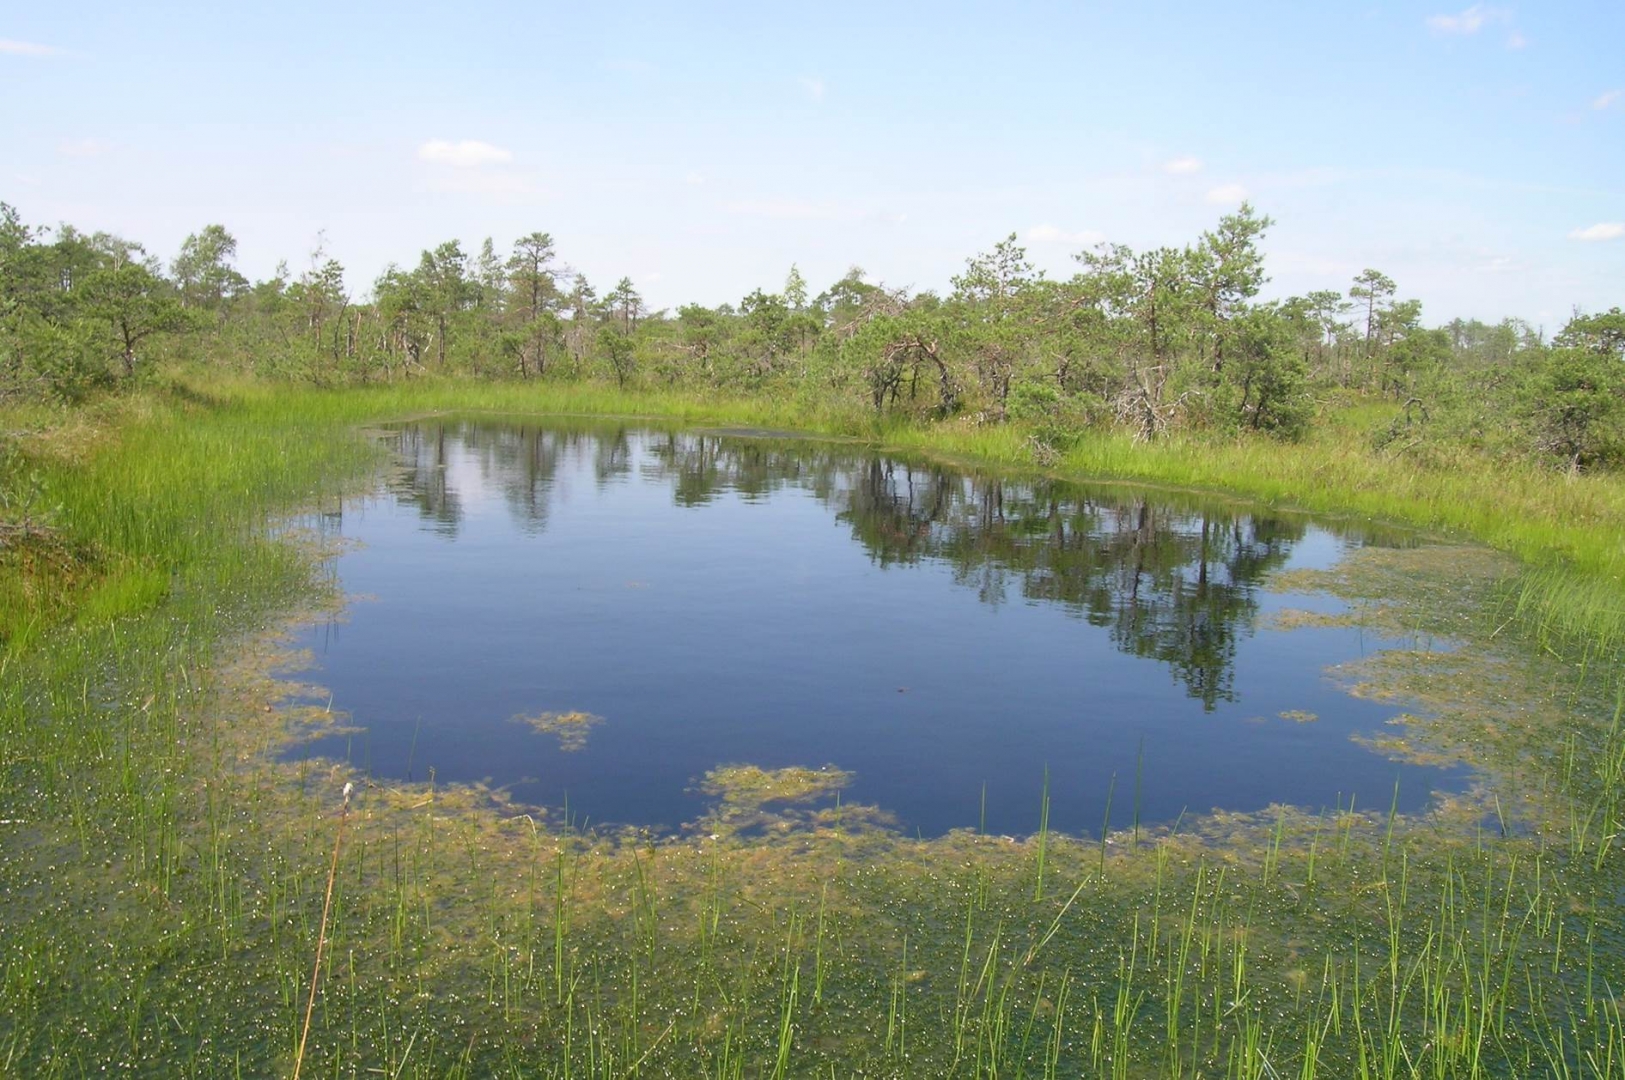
[
  {"x": 720, "y": 599},
  {"x": 1177, "y": 584}
]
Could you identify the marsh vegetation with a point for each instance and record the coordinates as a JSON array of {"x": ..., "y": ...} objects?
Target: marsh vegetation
[
  {"x": 176, "y": 503},
  {"x": 149, "y": 806}
]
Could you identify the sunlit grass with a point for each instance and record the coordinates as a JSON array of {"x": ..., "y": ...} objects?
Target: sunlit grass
[{"x": 162, "y": 886}]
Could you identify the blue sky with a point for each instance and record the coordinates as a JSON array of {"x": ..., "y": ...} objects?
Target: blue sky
[{"x": 1476, "y": 154}]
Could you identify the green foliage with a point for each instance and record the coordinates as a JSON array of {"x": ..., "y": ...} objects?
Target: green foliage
[
  {"x": 1601, "y": 334},
  {"x": 619, "y": 352},
  {"x": 1576, "y": 406},
  {"x": 204, "y": 276},
  {"x": 1149, "y": 342},
  {"x": 1268, "y": 376}
]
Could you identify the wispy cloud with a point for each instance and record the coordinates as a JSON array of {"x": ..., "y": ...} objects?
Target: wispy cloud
[
  {"x": 83, "y": 148},
  {"x": 813, "y": 87},
  {"x": 1052, "y": 234},
  {"x": 1516, "y": 41},
  {"x": 1467, "y": 21},
  {"x": 27, "y": 48},
  {"x": 1603, "y": 230},
  {"x": 1226, "y": 195},
  {"x": 1182, "y": 166},
  {"x": 694, "y": 178},
  {"x": 1607, "y": 100},
  {"x": 471, "y": 167},
  {"x": 468, "y": 154},
  {"x": 627, "y": 65}
]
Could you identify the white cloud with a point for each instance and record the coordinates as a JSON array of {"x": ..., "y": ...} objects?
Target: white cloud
[
  {"x": 1051, "y": 234},
  {"x": 1182, "y": 166},
  {"x": 652, "y": 276},
  {"x": 1516, "y": 40},
  {"x": 694, "y": 178},
  {"x": 27, "y": 48},
  {"x": 1226, "y": 195},
  {"x": 468, "y": 154},
  {"x": 1468, "y": 21},
  {"x": 1603, "y": 230},
  {"x": 83, "y": 148},
  {"x": 813, "y": 86},
  {"x": 1604, "y": 100}
]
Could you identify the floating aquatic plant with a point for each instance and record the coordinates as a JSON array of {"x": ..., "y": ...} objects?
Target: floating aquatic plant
[{"x": 570, "y": 728}]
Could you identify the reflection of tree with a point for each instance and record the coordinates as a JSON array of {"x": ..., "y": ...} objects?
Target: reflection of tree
[
  {"x": 421, "y": 482},
  {"x": 1177, "y": 583},
  {"x": 1178, "y": 586},
  {"x": 612, "y": 455},
  {"x": 702, "y": 467}
]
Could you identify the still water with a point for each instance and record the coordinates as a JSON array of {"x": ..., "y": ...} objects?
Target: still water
[{"x": 946, "y": 637}]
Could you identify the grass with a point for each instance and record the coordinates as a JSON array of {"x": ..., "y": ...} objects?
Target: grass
[{"x": 163, "y": 884}]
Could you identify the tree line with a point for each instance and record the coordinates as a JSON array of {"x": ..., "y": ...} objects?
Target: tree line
[{"x": 1153, "y": 341}]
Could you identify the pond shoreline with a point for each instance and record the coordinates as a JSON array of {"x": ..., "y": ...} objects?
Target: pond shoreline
[{"x": 482, "y": 940}]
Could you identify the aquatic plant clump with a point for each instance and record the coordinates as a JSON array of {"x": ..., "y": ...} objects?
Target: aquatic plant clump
[
  {"x": 754, "y": 786},
  {"x": 570, "y": 728}
]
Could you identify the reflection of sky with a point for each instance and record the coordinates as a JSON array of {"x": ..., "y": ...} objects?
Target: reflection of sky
[
  {"x": 758, "y": 629},
  {"x": 1318, "y": 550},
  {"x": 466, "y": 475}
]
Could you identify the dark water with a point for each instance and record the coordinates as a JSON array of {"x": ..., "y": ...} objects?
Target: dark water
[{"x": 726, "y": 599}]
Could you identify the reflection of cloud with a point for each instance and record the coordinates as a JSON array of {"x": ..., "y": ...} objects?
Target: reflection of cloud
[
  {"x": 1604, "y": 100},
  {"x": 1226, "y": 195},
  {"x": 814, "y": 87},
  {"x": 27, "y": 48},
  {"x": 468, "y": 154},
  {"x": 1051, "y": 234},
  {"x": 1603, "y": 230},
  {"x": 1182, "y": 166},
  {"x": 1468, "y": 21},
  {"x": 83, "y": 148}
]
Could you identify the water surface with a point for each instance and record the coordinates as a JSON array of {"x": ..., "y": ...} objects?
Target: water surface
[{"x": 718, "y": 598}]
